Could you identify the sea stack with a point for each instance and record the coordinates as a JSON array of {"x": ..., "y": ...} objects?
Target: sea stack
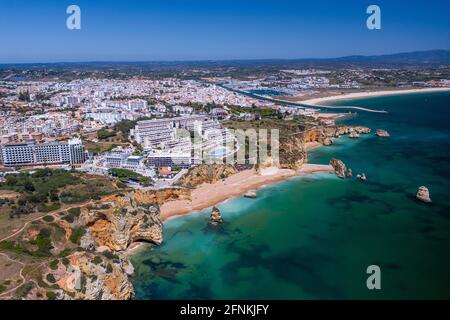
[
  {"x": 423, "y": 194},
  {"x": 382, "y": 133},
  {"x": 339, "y": 168},
  {"x": 216, "y": 217}
]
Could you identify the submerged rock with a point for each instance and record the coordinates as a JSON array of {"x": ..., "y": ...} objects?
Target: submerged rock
[
  {"x": 327, "y": 142},
  {"x": 349, "y": 173},
  {"x": 361, "y": 176},
  {"x": 423, "y": 194},
  {"x": 250, "y": 194},
  {"x": 354, "y": 134},
  {"x": 216, "y": 217},
  {"x": 382, "y": 133},
  {"x": 339, "y": 168}
]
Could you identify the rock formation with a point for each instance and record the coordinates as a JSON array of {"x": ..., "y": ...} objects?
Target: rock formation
[
  {"x": 207, "y": 173},
  {"x": 339, "y": 168},
  {"x": 354, "y": 134},
  {"x": 361, "y": 176},
  {"x": 216, "y": 217},
  {"x": 127, "y": 218},
  {"x": 327, "y": 141},
  {"x": 349, "y": 173},
  {"x": 382, "y": 133},
  {"x": 102, "y": 279},
  {"x": 250, "y": 194},
  {"x": 423, "y": 194}
]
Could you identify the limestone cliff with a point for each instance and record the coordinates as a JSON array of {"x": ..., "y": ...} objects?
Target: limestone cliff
[
  {"x": 207, "y": 173},
  {"x": 122, "y": 220},
  {"x": 94, "y": 277},
  {"x": 292, "y": 152},
  {"x": 324, "y": 135}
]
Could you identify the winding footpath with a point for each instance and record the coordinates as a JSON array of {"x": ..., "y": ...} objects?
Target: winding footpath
[{"x": 20, "y": 274}]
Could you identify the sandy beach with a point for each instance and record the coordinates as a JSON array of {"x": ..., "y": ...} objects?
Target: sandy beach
[
  {"x": 367, "y": 94},
  {"x": 208, "y": 195}
]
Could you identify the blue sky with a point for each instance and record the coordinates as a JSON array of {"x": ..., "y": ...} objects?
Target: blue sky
[{"x": 133, "y": 30}]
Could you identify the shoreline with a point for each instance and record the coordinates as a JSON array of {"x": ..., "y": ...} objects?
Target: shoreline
[
  {"x": 368, "y": 94},
  {"x": 180, "y": 208},
  {"x": 208, "y": 195}
]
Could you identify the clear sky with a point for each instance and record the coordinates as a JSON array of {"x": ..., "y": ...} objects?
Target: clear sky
[{"x": 138, "y": 30}]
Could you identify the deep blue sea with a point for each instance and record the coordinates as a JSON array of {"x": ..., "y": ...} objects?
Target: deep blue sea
[{"x": 313, "y": 237}]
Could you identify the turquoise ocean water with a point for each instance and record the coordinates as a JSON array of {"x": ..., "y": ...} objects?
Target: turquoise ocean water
[{"x": 312, "y": 237}]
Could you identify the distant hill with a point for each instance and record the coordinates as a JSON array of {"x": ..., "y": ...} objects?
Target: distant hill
[
  {"x": 417, "y": 57},
  {"x": 431, "y": 57}
]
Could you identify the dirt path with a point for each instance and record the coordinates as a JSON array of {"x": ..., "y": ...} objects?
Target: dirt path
[
  {"x": 20, "y": 273},
  {"x": 53, "y": 213}
]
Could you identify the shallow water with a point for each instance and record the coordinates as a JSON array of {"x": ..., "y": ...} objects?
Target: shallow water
[{"x": 312, "y": 237}]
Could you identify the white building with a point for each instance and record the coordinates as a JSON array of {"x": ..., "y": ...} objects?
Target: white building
[{"x": 32, "y": 154}]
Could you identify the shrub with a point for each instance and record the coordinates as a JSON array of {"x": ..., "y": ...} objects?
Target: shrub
[
  {"x": 54, "y": 264},
  {"x": 51, "y": 278},
  {"x": 76, "y": 235},
  {"x": 43, "y": 242},
  {"x": 64, "y": 253},
  {"x": 109, "y": 268},
  {"x": 50, "y": 295},
  {"x": 48, "y": 208},
  {"x": 23, "y": 290},
  {"x": 110, "y": 255},
  {"x": 48, "y": 219},
  {"x": 73, "y": 213},
  {"x": 97, "y": 260},
  {"x": 65, "y": 261}
]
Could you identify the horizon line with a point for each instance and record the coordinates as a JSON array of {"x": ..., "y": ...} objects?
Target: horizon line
[{"x": 220, "y": 60}]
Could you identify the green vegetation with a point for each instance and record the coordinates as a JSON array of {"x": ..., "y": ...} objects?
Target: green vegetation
[
  {"x": 59, "y": 232},
  {"x": 103, "y": 134},
  {"x": 65, "y": 261},
  {"x": 76, "y": 235},
  {"x": 49, "y": 208},
  {"x": 50, "y": 295},
  {"x": 73, "y": 213},
  {"x": 23, "y": 290},
  {"x": 54, "y": 264},
  {"x": 43, "y": 242},
  {"x": 64, "y": 253},
  {"x": 125, "y": 126},
  {"x": 13, "y": 247},
  {"x": 38, "y": 189},
  {"x": 109, "y": 268},
  {"x": 110, "y": 255},
  {"x": 124, "y": 175},
  {"x": 259, "y": 112},
  {"x": 51, "y": 278},
  {"x": 48, "y": 219},
  {"x": 97, "y": 260}
]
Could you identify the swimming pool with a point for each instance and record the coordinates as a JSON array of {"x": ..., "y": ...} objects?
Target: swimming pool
[{"x": 218, "y": 152}]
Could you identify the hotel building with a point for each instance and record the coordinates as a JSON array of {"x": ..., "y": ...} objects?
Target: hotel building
[{"x": 32, "y": 154}]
